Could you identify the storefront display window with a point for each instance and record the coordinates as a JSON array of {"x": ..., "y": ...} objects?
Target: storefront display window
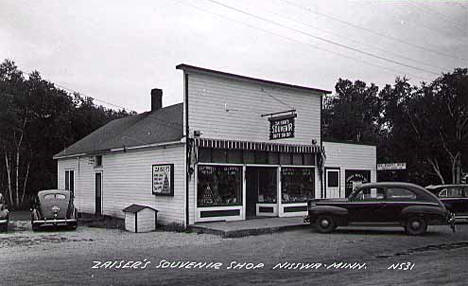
[
  {"x": 219, "y": 186},
  {"x": 297, "y": 184}
]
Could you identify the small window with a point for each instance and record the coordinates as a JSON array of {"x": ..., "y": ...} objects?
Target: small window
[
  {"x": 332, "y": 179},
  {"x": 70, "y": 180},
  {"x": 455, "y": 192},
  {"x": 98, "y": 161},
  {"x": 370, "y": 194},
  {"x": 400, "y": 194}
]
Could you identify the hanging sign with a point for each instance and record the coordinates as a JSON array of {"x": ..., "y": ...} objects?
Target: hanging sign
[
  {"x": 282, "y": 126},
  {"x": 163, "y": 180},
  {"x": 391, "y": 166}
]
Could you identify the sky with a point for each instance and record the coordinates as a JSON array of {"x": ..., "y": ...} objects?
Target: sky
[{"x": 117, "y": 51}]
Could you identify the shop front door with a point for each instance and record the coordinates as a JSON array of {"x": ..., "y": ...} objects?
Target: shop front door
[
  {"x": 261, "y": 191},
  {"x": 332, "y": 183}
]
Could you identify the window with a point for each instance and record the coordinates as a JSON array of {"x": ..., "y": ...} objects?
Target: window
[
  {"x": 332, "y": 179},
  {"x": 453, "y": 192},
  {"x": 219, "y": 186},
  {"x": 54, "y": 197},
  {"x": 370, "y": 194},
  {"x": 70, "y": 180},
  {"x": 297, "y": 184},
  {"x": 400, "y": 194},
  {"x": 98, "y": 161}
]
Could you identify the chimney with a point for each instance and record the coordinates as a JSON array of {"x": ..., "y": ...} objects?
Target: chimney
[{"x": 156, "y": 99}]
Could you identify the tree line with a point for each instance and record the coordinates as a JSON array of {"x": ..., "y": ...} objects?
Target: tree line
[
  {"x": 38, "y": 120},
  {"x": 425, "y": 126}
]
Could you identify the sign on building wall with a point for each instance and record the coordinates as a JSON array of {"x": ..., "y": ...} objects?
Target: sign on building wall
[
  {"x": 282, "y": 126},
  {"x": 391, "y": 166},
  {"x": 163, "y": 180},
  {"x": 354, "y": 178}
]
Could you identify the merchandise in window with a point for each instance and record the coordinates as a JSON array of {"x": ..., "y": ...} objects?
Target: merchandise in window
[
  {"x": 219, "y": 186},
  {"x": 297, "y": 184}
]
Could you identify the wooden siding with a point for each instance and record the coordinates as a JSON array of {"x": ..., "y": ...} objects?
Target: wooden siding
[
  {"x": 130, "y": 222},
  {"x": 351, "y": 157},
  {"x": 246, "y": 101},
  {"x": 145, "y": 220},
  {"x": 127, "y": 179}
]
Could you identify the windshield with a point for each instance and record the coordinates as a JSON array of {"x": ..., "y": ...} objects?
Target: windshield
[{"x": 54, "y": 197}]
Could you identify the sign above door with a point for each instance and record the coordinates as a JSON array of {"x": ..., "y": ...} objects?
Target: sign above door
[{"x": 282, "y": 126}]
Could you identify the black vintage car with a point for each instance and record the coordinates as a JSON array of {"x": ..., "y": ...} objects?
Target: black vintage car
[
  {"x": 53, "y": 208},
  {"x": 454, "y": 197},
  {"x": 403, "y": 204},
  {"x": 4, "y": 214}
]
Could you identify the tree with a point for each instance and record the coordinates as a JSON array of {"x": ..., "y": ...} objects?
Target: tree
[
  {"x": 37, "y": 120},
  {"x": 352, "y": 114}
]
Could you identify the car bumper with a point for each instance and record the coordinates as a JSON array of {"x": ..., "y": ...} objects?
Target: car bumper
[{"x": 54, "y": 221}]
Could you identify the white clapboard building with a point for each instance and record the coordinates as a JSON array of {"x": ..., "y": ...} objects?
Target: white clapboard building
[{"x": 236, "y": 147}]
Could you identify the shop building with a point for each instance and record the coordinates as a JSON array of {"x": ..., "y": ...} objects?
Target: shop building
[{"x": 237, "y": 147}]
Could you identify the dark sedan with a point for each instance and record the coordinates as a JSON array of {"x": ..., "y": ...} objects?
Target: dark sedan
[
  {"x": 454, "y": 197},
  {"x": 53, "y": 208},
  {"x": 4, "y": 214},
  {"x": 403, "y": 204}
]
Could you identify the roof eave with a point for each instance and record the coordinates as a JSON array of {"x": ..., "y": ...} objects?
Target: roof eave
[{"x": 186, "y": 67}]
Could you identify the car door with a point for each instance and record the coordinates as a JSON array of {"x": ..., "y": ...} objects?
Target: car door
[
  {"x": 455, "y": 199},
  {"x": 396, "y": 199},
  {"x": 364, "y": 205}
]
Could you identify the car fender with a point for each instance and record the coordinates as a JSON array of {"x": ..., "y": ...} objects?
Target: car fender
[
  {"x": 422, "y": 210},
  {"x": 35, "y": 214},
  {"x": 331, "y": 210}
]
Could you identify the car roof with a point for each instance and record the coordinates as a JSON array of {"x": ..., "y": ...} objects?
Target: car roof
[
  {"x": 390, "y": 184},
  {"x": 446, "y": 186}
]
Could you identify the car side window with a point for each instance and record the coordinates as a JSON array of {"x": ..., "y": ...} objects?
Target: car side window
[
  {"x": 443, "y": 193},
  {"x": 454, "y": 192},
  {"x": 400, "y": 194},
  {"x": 369, "y": 194}
]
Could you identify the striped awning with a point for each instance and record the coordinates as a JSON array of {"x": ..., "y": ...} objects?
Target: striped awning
[{"x": 257, "y": 146}]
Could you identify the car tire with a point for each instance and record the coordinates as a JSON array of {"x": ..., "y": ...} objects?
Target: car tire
[
  {"x": 415, "y": 225},
  {"x": 4, "y": 227},
  {"x": 325, "y": 223},
  {"x": 73, "y": 226},
  {"x": 35, "y": 227}
]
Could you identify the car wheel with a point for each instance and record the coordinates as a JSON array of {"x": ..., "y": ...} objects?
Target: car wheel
[
  {"x": 325, "y": 223},
  {"x": 73, "y": 226},
  {"x": 35, "y": 227},
  {"x": 4, "y": 227},
  {"x": 416, "y": 225}
]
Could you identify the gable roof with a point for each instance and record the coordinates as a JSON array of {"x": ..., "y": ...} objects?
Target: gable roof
[
  {"x": 160, "y": 126},
  {"x": 189, "y": 68},
  {"x": 134, "y": 208}
]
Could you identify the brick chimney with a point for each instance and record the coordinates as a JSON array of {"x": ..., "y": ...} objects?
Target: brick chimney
[{"x": 156, "y": 99}]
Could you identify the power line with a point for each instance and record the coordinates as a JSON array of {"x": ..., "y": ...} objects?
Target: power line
[
  {"x": 94, "y": 98},
  {"x": 308, "y": 44},
  {"x": 360, "y": 42},
  {"x": 447, "y": 20},
  {"x": 323, "y": 39},
  {"x": 372, "y": 31}
]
